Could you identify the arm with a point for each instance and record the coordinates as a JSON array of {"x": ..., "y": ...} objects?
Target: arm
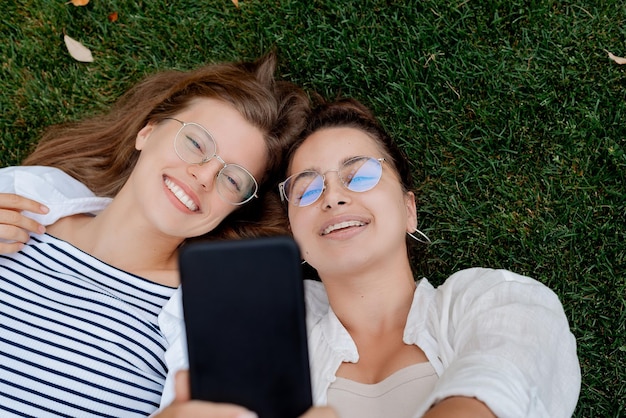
[
  {"x": 505, "y": 340},
  {"x": 459, "y": 407}
]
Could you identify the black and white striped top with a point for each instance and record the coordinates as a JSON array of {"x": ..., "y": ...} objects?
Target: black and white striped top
[{"x": 78, "y": 337}]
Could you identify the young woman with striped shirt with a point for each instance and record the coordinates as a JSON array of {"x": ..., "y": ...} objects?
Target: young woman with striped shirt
[{"x": 181, "y": 155}]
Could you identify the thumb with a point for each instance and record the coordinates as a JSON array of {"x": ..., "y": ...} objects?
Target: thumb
[{"x": 181, "y": 386}]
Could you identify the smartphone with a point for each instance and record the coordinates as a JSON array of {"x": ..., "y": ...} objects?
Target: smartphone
[{"x": 243, "y": 303}]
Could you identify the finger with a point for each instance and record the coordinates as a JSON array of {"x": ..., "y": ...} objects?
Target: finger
[
  {"x": 202, "y": 409},
  {"x": 181, "y": 385},
  {"x": 12, "y": 233},
  {"x": 17, "y": 202},
  {"x": 14, "y": 201},
  {"x": 320, "y": 412},
  {"x": 216, "y": 410},
  {"x": 11, "y": 219},
  {"x": 10, "y": 247}
]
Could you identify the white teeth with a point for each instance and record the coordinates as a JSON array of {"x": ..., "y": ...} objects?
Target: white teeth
[
  {"x": 341, "y": 225},
  {"x": 181, "y": 195}
]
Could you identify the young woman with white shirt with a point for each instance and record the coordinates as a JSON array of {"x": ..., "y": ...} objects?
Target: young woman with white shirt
[{"x": 486, "y": 343}]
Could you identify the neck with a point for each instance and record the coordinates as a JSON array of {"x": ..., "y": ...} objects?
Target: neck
[
  {"x": 117, "y": 239},
  {"x": 375, "y": 300}
]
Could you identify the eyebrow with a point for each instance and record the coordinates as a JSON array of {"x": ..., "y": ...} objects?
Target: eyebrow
[{"x": 341, "y": 162}]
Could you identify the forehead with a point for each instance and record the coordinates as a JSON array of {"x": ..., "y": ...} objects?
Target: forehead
[
  {"x": 206, "y": 110},
  {"x": 328, "y": 147}
]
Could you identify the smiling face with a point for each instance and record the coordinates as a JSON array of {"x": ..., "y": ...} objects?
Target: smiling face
[
  {"x": 181, "y": 199},
  {"x": 344, "y": 231}
]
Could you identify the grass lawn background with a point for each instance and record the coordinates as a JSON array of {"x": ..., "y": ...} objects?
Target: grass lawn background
[{"x": 511, "y": 111}]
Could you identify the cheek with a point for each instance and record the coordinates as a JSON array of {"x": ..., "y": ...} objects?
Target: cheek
[
  {"x": 296, "y": 223},
  {"x": 155, "y": 154},
  {"x": 212, "y": 221}
]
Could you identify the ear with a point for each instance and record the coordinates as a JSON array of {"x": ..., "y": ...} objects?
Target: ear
[
  {"x": 142, "y": 136},
  {"x": 411, "y": 211}
]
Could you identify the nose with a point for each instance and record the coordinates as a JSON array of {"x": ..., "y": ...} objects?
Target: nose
[
  {"x": 335, "y": 194},
  {"x": 205, "y": 174}
]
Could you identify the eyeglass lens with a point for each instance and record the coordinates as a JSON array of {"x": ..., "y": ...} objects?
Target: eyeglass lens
[
  {"x": 358, "y": 174},
  {"x": 195, "y": 145}
]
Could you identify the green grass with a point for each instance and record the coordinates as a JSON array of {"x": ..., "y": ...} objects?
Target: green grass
[{"x": 512, "y": 113}]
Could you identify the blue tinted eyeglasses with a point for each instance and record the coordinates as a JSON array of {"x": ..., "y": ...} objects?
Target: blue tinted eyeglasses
[{"x": 358, "y": 174}]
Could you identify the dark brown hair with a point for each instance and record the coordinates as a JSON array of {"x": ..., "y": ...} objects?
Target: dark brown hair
[{"x": 350, "y": 113}]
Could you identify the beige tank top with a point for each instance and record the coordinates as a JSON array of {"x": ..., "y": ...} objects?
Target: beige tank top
[{"x": 398, "y": 396}]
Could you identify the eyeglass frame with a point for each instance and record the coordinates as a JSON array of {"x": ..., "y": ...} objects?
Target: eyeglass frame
[
  {"x": 217, "y": 157},
  {"x": 283, "y": 194}
]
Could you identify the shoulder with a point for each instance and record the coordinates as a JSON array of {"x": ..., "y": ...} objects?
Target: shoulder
[
  {"x": 504, "y": 338},
  {"x": 480, "y": 280},
  {"x": 480, "y": 289},
  {"x": 63, "y": 194},
  {"x": 482, "y": 275}
]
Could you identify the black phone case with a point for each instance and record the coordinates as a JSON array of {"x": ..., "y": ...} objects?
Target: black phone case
[{"x": 243, "y": 303}]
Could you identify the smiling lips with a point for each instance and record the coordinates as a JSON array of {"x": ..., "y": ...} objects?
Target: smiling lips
[
  {"x": 341, "y": 225},
  {"x": 181, "y": 195}
]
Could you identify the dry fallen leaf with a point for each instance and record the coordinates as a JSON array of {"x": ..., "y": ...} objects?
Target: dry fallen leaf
[
  {"x": 236, "y": 3},
  {"x": 618, "y": 60},
  {"x": 77, "y": 50},
  {"x": 113, "y": 17},
  {"x": 79, "y": 2}
]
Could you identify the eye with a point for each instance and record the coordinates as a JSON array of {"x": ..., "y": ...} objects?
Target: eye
[
  {"x": 235, "y": 183},
  {"x": 306, "y": 188},
  {"x": 361, "y": 174},
  {"x": 351, "y": 170},
  {"x": 231, "y": 183},
  {"x": 309, "y": 193},
  {"x": 194, "y": 145},
  {"x": 197, "y": 140}
]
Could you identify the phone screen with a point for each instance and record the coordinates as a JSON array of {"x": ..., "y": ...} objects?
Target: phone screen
[{"x": 243, "y": 303}]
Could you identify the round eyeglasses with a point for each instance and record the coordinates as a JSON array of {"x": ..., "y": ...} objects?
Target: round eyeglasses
[
  {"x": 195, "y": 145},
  {"x": 358, "y": 174}
]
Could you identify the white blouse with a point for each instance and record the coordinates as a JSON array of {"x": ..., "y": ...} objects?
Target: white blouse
[{"x": 489, "y": 334}]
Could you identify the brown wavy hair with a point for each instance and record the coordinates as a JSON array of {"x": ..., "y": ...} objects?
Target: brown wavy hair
[{"x": 100, "y": 151}]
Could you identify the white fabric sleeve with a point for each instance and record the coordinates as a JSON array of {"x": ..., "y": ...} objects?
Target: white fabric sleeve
[
  {"x": 172, "y": 325},
  {"x": 61, "y": 193},
  {"x": 506, "y": 341}
]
